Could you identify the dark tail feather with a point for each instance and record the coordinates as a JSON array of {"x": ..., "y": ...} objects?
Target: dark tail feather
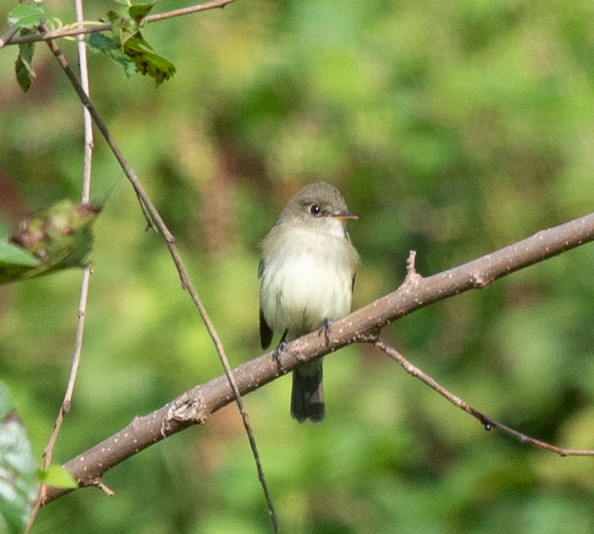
[{"x": 307, "y": 396}]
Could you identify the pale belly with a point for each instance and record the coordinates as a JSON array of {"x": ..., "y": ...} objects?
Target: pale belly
[{"x": 300, "y": 292}]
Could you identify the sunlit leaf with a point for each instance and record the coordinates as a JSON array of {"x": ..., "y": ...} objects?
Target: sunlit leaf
[{"x": 26, "y": 15}]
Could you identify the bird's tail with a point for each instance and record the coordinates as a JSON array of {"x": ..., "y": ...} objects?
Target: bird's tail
[{"x": 307, "y": 396}]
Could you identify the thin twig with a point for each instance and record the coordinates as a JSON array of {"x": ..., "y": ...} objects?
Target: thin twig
[
  {"x": 8, "y": 35},
  {"x": 87, "y": 120},
  {"x": 86, "y": 273},
  {"x": 155, "y": 217},
  {"x": 9, "y": 39},
  {"x": 487, "y": 422}
]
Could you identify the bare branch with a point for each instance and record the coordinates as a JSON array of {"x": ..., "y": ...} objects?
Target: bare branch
[
  {"x": 417, "y": 292},
  {"x": 197, "y": 404},
  {"x": 487, "y": 422},
  {"x": 9, "y": 39},
  {"x": 85, "y": 196},
  {"x": 7, "y": 36},
  {"x": 86, "y": 272}
]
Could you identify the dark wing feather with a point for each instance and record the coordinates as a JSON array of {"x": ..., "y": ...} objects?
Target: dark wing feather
[{"x": 265, "y": 332}]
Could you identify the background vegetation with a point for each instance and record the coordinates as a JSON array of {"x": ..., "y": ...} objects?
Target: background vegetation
[{"x": 452, "y": 129}]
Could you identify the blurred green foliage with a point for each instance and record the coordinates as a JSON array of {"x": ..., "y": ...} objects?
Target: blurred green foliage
[{"x": 452, "y": 129}]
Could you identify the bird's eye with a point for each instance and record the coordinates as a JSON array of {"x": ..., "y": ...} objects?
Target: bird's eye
[{"x": 314, "y": 209}]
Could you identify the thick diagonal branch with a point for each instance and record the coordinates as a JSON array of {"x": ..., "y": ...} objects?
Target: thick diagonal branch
[{"x": 196, "y": 405}]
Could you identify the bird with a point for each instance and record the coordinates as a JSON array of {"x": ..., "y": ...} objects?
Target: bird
[{"x": 307, "y": 276}]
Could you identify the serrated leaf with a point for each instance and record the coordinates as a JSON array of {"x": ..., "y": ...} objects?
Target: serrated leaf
[
  {"x": 147, "y": 61},
  {"x": 18, "y": 484},
  {"x": 59, "y": 237},
  {"x": 26, "y": 15},
  {"x": 57, "y": 476}
]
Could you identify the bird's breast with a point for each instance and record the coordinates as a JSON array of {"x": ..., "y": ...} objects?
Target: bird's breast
[{"x": 309, "y": 283}]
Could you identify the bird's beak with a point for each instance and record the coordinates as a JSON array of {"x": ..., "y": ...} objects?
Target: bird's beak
[{"x": 344, "y": 216}]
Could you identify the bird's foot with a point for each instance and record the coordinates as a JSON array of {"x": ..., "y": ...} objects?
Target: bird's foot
[
  {"x": 276, "y": 353},
  {"x": 325, "y": 329}
]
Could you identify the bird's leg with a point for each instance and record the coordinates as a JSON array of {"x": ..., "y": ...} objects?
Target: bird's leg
[
  {"x": 325, "y": 329},
  {"x": 276, "y": 353}
]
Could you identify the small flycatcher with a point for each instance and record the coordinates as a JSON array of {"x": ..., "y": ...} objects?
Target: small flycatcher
[{"x": 307, "y": 273}]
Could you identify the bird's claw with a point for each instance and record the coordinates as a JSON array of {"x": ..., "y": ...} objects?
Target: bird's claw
[
  {"x": 276, "y": 353},
  {"x": 325, "y": 329}
]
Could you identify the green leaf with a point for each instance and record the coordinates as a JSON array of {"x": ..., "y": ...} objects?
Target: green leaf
[
  {"x": 134, "y": 10},
  {"x": 26, "y": 15},
  {"x": 23, "y": 65},
  {"x": 127, "y": 21},
  {"x": 14, "y": 255},
  {"x": 121, "y": 26},
  {"x": 115, "y": 16},
  {"x": 15, "y": 262},
  {"x": 139, "y": 11},
  {"x": 59, "y": 237},
  {"x": 127, "y": 46},
  {"x": 57, "y": 476},
  {"x": 18, "y": 484},
  {"x": 109, "y": 46},
  {"x": 147, "y": 61}
]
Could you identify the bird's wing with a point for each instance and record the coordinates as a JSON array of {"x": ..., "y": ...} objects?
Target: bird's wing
[{"x": 265, "y": 332}]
